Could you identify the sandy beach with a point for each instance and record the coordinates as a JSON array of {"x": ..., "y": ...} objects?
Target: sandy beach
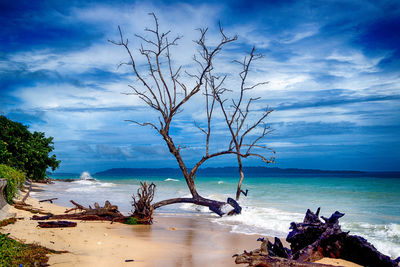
[{"x": 170, "y": 241}]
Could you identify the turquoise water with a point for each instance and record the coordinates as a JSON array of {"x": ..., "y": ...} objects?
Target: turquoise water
[{"x": 371, "y": 205}]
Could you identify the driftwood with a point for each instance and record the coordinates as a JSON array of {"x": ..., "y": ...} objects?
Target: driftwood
[
  {"x": 312, "y": 240},
  {"x": 29, "y": 208},
  {"x": 56, "y": 224},
  {"x": 49, "y": 200},
  {"x": 107, "y": 213},
  {"x": 142, "y": 207},
  {"x": 28, "y": 192},
  {"x": 271, "y": 255}
]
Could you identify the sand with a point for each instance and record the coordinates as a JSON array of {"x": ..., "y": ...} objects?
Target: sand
[{"x": 170, "y": 241}]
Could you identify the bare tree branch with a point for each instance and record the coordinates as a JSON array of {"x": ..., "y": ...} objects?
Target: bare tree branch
[{"x": 159, "y": 86}]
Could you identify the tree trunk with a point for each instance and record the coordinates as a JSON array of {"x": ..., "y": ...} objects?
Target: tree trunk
[
  {"x": 213, "y": 205},
  {"x": 174, "y": 151},
  {"x": 239, "y": 187}
]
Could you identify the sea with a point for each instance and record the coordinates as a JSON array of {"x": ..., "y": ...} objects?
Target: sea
[{"x": 371, "y": 204}]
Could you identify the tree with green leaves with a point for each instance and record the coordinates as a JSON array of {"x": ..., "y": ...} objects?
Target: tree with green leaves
[{"x": 26, "y": 151}]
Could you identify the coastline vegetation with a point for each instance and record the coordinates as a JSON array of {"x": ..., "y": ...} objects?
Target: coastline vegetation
[
  {"x": 15, "y": 180},
  {"x": 26, "y": 151},
  {"x": 15, "y": 253}
]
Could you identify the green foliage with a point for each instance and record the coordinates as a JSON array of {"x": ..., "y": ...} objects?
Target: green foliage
[
  {"x": 131, "y": 221},
  {"x": 14, "y": 253},
  {"x": 15, "y": 181},
  {"x": 26, "y": 151}
]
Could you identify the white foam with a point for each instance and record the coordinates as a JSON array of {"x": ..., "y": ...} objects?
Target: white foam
[
  {"x": 88, "y": 186},
  {"x": 171, "y": 179},
  {"x": 385, "y": 237},
  {"x": 86, "y": 176},
  {"x": 83, "y": 182},
  {"x": 220, "y": 182},
  {"x": 82, "y": 189},
  {"x": 256, "y": 220}
]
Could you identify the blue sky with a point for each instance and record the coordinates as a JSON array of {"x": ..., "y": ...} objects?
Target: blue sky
[{"x": 333, "y": 69}]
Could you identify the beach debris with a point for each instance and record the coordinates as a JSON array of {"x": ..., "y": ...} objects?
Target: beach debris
[
  {"x": 129, "y": 260},
  {"x": 108, "y": 212},
  {"x": 57, "y": 224},
  {"x": 48, "y": 200},
  {"x": 312, "y": 240},
  {"x": 46, "y": 217},
  {"x": 266, "y": 257},
  {"x": 8, "y": 221},
  {"x": 29, "y": 208},
  {"x": 142, "y": 207},
  {"x": 28, "y": 191}
]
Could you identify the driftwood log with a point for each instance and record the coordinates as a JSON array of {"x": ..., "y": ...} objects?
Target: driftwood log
[
  {"x": 28, "y": 207},
  {"x": 312, "y": 240},
  {"x": 107, "y": 213},
  {"x": 57, "y": 224},
  {"x": 48, "y": 200}
]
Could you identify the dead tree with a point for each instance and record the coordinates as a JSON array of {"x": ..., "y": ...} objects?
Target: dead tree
[
  {"x": 164, "y": 91},
  {"x": 237, "y": 119}
]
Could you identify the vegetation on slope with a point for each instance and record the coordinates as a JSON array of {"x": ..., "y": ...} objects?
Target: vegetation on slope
[
  {"x": 15, "y": 181},
  {"x": 26, "y": 151},
  {"x": 14, "y": 253}
]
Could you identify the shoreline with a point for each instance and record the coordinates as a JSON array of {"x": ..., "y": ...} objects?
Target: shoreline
[{"x": 170, "y": 241}]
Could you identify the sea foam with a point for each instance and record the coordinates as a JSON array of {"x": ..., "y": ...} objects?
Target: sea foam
[{"x": 171, "y": 179}]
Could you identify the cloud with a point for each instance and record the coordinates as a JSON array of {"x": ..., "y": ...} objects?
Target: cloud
[
  {"x": 338, "y": 100},
  {"x": 332, "y": 68},
  {"x": 27, "y": 117}
]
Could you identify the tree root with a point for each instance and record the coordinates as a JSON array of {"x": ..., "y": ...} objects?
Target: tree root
[{"x": 312, "y": 240}]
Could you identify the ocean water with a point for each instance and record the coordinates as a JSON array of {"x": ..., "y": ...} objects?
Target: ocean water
[{"x": 371, "y": 204}]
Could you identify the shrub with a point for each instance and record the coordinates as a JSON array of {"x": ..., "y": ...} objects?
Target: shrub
[
  {"x": 15, "y": 181},
  {"x": 131, "y": 221},
  {"x": 14, "y": 253}
]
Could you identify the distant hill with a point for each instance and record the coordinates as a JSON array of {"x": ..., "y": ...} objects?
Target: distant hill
[{"x": 249, "y": 172}]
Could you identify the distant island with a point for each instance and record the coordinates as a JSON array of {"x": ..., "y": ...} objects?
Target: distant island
[{"x": 249, "y": 172}]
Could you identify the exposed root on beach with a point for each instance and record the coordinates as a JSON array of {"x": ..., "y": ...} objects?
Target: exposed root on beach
[
  {"x": 142, "y": 207},
  {"x": 312, "y": 240}
]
